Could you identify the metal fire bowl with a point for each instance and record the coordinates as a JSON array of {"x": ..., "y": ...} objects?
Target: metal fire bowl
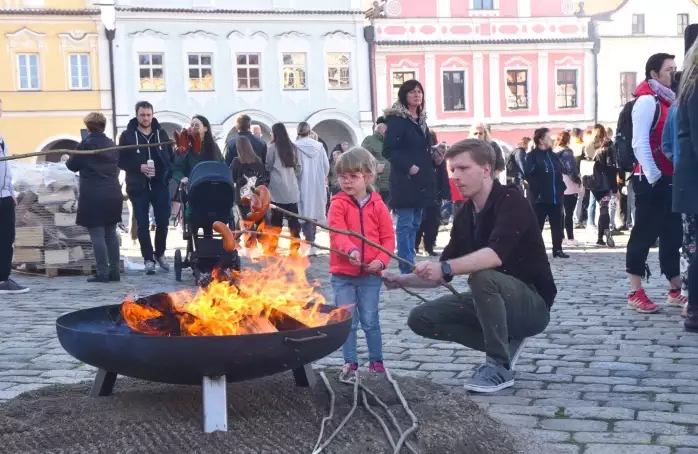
[{"x": 91, "y": 336}]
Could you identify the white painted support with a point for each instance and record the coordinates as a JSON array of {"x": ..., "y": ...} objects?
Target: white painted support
[
  {"x": 479, "y": 86},
  {"x": 215, "y": 404},
  {"x": 543, "y": 86}
]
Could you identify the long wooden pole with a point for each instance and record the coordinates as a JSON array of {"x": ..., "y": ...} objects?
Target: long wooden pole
[
  {"x": 359, "y": 236},
  {"x": 85, "y": 152}
]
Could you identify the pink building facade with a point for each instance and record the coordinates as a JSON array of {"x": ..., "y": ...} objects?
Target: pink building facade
[{"x": 514, "y": 64}]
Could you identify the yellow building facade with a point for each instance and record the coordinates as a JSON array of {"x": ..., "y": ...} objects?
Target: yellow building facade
[{"x": 49, "y": 73}]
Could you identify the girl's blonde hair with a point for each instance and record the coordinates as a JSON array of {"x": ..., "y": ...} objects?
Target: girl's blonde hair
[
  {"x": 689, "y": 76},
  {"x": 473, "y": 129},
  {"x": 356, "y": 160}
]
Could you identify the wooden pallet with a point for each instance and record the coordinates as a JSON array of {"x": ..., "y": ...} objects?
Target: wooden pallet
[{"x": 85, "y": 269}]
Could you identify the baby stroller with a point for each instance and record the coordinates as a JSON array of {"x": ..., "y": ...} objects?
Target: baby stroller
[{"x": 208, "y": 197}]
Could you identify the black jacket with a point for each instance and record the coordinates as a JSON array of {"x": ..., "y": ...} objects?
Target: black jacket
[
  {"x": 131, "y": 160},
  {"x": 685, "y": 180},
  {"x": 443, "y": 188},
  {"x": 258, "y": 145},
  {"x": 100, "y": 202},
  {"x": 507, "y": 225},
  {"x": 543, "y": 171},
  {"x": 605, "y": 170},
  {"x": 406, "y": 145}
]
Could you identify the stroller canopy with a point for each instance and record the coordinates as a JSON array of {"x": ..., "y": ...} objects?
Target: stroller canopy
[{"x": 211, "y": 192}]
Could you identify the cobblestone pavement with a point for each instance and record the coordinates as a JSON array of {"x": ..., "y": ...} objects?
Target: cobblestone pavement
[{"x": 601, "y": 379}]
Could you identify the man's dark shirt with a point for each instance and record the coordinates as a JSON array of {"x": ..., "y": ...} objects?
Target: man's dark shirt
[
  {"x": 258, "y": 145},
  {"x": 507, "y": 225}
]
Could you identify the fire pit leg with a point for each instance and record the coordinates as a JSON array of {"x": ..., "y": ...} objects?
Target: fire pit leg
[
  {"x": 103, "y": 384},
  {"x": 305, "y": 376},
  {"x": 215, "y": 404}
]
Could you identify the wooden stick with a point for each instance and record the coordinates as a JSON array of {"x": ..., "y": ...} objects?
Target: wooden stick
[
  {"x": 85, "y": 152},
  {"x": 326, "y": 248},
  {"x": 359, "y": 236}
]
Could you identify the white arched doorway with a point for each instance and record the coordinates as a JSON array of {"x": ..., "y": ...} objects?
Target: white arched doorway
[
  {"x": 176, "y": 119},
  {"x": 262, "y": 119},
  {"x": 334, "y": 126},
  {"x": 63, "y": 142}
]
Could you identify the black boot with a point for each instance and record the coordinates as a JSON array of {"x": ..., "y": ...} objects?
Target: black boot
[
  {"x": 690, "y": 324},
  {"x": 98, "y": 278}
]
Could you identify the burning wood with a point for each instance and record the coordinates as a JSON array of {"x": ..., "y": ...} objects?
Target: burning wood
[{"x": 277, "y": 297}]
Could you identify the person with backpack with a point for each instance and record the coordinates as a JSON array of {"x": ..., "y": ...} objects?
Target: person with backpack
[
  {"x": 639, "y": 149},
  {"x": 515, "y": 163}
]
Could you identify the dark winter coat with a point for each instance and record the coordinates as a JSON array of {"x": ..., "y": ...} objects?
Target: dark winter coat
[
  {"x": 131, "y": 160},
  {"x": 406, "y": 145},
  {"x": 685, "y": 180},
  {"x": 258, "y": 145},
  {"x": 100, "y": 202},
  {"x": 605, "y": 170},
  {"x": 543, "y": 171}
]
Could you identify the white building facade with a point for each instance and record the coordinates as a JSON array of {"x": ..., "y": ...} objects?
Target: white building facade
[
  {"x": 628, "y": 36},
  {"x": 285, "y": 61}
]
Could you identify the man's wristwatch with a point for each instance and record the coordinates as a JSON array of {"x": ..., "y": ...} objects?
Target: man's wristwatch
[{"x": 446, "y": 271}]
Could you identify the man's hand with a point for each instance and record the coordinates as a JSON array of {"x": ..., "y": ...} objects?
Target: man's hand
[
  {"x": 380, "y": 168},
  {"x": 184, "y": 180},
  {"x": 431, "y": 271},
  {"x": 374, "y": 267},
  {"x": 391, "y": 281},
  {"x": 147, "y": 171},
  {"x": 355, "y": 258},
  {"x": 413, "y": 170}
]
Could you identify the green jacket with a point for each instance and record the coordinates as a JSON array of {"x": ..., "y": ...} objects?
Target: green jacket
[
  {"x": 374, "y": 144},
  {"x": 184, "y": 164}
]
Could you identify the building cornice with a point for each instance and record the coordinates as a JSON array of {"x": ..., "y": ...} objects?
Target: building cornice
[
  {"x": 48, "y": 12},
  {"x": 479, "y": 42},
  {"x": 271, "y": 12}
]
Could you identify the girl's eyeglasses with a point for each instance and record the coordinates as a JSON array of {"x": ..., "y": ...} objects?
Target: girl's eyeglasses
[{"x": 349, "y": 177}]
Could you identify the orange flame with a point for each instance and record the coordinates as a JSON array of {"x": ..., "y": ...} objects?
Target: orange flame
[{"x": 254, "y": 304}]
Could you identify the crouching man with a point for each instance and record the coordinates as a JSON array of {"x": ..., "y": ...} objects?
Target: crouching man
[{"x": 495, "y": 240}]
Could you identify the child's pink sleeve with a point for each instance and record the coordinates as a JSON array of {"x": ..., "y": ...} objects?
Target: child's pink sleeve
[
  {"x": 337, "y": 218},
  {"x": 386, "y": 232}
]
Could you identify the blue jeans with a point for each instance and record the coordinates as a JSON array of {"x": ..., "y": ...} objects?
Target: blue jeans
[
  {"x": 408, "y": 222},
  {"x": 159, "y": 198},
  {"x": 363, "y": 292},
  {"x": 591, "y": 211}
]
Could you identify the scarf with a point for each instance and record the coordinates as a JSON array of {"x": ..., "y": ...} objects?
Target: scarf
[
  {"x": 421, "y": 121},
  {"x": 666, "y": 94}
]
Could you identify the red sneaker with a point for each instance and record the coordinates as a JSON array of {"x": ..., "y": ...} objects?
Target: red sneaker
[
  {"x": 377, "y": 366},
  {"x": 640, "y": 302},
  {"x": 676, "y": 299}
]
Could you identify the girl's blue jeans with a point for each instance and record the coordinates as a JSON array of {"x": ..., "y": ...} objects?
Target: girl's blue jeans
[{"x": 363, "y": 292}]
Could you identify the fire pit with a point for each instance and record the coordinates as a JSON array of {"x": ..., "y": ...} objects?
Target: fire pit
[{"x": 258, "y": 323}]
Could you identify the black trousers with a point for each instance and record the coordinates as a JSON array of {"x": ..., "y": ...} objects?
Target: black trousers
[
  {"x": 294, "y": 225},
  {"x": 385, "y": 195},
  {"x": 429, "y": 228},
  {"x": 553, "y": 212},
  {"x": 604, "y": 214},
  {"x": 7, "y": 236},
  {"x": 654, "y": 219},
  {"x": 570, "y": 204}
]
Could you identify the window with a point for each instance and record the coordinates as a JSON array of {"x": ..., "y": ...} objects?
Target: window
[
  {"x": 248, "y": 72},
  {"x": 454, "y": 90},
  {"x": 681, "y": 23},
  {"x": 517, "y": 85},
  {"x": 628, "y": 82},
  {"x": 200, "y": 72},
  {"x": 151, "y": 72},
  {"x": 399, "y": 78},
  {"x": 638, "y": 24},
  {"x": 294, "y": 71},
  {"x": 338, "y": 70},
  {"x": 566, "y": 96},
  {"x": 483, "y": 4},
  {"x": 28, "y": 70},
  {"x": 79, "y": 71}
]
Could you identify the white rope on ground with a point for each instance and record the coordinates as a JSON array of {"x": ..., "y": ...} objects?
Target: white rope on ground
[
  {"x": 414, "y": 426},
  {"x": 359, "y": 385}
]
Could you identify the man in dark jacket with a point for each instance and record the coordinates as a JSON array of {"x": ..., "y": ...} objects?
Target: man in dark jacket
[
  {"x": 243, "y": 125},
  {"x": 147, "y": 184},
  {"x": 374, "y": 144},
  {"x": 496, "y": 241}
]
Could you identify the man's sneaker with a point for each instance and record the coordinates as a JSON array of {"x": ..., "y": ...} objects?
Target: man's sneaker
[
  {"x": 639, "y": 301},
  {"x": 10, "y": 287},
  {"x": 163, "y": 263},
  {"x": 114, "y": 276},
  {"x": 676, "y": 299},
  {"x": 312, "y": 252},
  {"x": 149, "y": 267},
  {"x": 97, "y": 278},
  {"x": 490, "y": 378},
  {"x": 377, "y": 366},
  {"x": 610, "y": 242},
  {"x": 347, "y": 372},
  {"x": 516, "y": 346}
]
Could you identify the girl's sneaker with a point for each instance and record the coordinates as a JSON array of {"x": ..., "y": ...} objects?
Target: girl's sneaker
[
  {"x": 676, "y": 299},
  {"x": 377, "y": 367},
  {"x": 347, "y": 371}
]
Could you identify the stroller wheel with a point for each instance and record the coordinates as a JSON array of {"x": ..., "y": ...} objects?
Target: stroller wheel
[{"x": 178, "y": 265}]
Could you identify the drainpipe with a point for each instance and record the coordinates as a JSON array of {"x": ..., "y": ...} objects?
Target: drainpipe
[
  {"x": 370, "y": 37},
  {"x": 595, "y": 51},
  {"x": 110, "y": 38}
]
